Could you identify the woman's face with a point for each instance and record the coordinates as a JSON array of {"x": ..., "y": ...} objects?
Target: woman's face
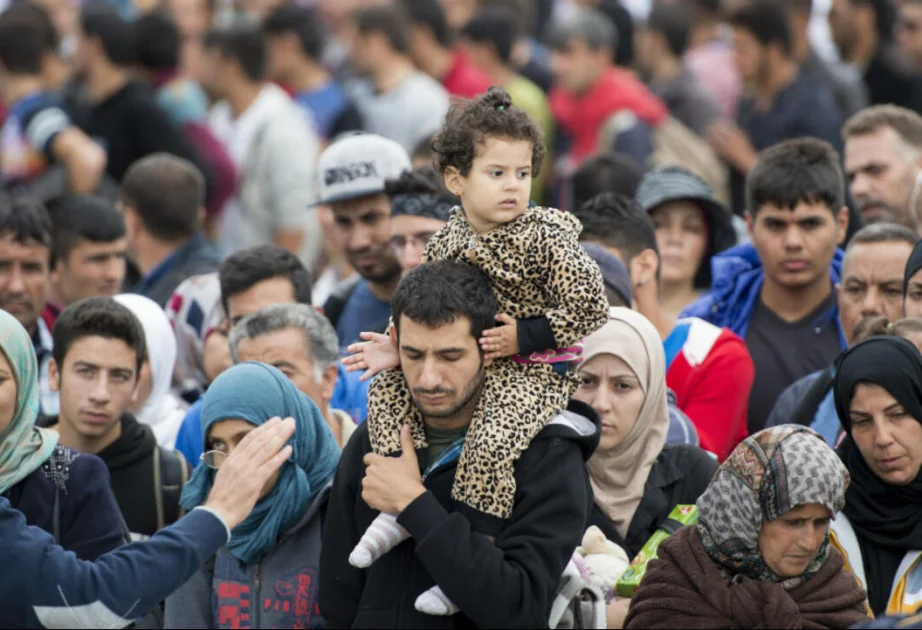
[
  {"x": 913, "y": 304},
  {"x": 7, "y": 393},
  {"x": 682, "y": 238},
  {"x": 890, "y": 440},
  {"x": 225, "y": 436},
  {"x": 610, "y": 387},
  {"x": 790, "y": 543}
]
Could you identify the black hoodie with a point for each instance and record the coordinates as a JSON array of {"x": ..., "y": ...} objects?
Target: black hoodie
[
  {"x": 509, "y": 583},
  {"x": 130, "y": 460}
]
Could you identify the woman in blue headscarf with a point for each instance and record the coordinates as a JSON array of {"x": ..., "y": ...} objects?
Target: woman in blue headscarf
[
  {"x": 268, "y": 571},
  {"x": 65, "y": 493}
]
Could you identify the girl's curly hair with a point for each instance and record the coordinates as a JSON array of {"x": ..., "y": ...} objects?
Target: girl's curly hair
[{"x": 470, "y": 122}]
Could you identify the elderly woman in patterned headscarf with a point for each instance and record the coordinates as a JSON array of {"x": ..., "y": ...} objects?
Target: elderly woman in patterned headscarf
[{"x": 760, "y": 555}]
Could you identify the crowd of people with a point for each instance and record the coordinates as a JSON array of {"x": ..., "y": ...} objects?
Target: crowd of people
[{"x": 364, "y": 313}]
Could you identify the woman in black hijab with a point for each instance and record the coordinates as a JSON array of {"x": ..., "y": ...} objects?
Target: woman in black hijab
[
  {"x": 912, "y": 283},
  {"x": 878, "y": 396}
]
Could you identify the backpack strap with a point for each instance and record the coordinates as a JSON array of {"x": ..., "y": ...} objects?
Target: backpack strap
[
  {"x": 56, "y": 516},
  {"x": 171, "y": 472},
  {"x": 812, "y": 398},
  {"x": 336, "y": 303}
]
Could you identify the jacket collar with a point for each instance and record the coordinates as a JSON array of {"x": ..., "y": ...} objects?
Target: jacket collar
[{"x": 738, "y": 276}]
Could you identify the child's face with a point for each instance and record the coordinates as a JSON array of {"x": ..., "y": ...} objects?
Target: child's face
[{"x": 496, "y": 190}]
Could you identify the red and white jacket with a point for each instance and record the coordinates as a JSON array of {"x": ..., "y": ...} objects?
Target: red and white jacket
[{"x": 711, "y": 373}]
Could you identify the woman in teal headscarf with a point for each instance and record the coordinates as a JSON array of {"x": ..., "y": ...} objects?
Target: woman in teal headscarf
[
  {"x": 276, "y": 551},
  {"x": 57, "y": 489}
]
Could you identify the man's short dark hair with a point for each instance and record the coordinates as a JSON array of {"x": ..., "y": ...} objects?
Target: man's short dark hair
[
  {"x": 387, "y": 21},
  {"x": 431, "y": 15},
  {"x": 424, "y": 151},
  {"x": 242, "y": 43},
  {"x": 103, "y": 22},
  {"x": 614, "y": 173},
  {"x": 38, "y": 18},
  {"x": 302, "y": 22},
  {"x": 767, "y": 21},
  {"x": 97, "y": 317},
  {"x": 616, "y": 221},
  {"x": 83, "y": 218},
  {"x": 438, "y": 293},
  {"x": 497, "y": 26},
  {"x": 167, "y": 192},
  {"x": 248, "y": 267},
  {"x": 672, "y": 21},
  {"x": 25, "y": 219},
  {"x": 710, "y": 8},
  {"x": 21, "y": 44},
  {"x": 804, "y": 170},
  {"x": 158, "y": 41},
  {"x": 885, "y": 15}
]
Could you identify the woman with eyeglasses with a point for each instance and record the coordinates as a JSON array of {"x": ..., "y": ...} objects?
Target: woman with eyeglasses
[{"x": 269, "y": 569}]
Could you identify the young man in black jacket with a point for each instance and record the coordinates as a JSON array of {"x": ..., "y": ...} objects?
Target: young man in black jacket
[
  {"x": 440, "y": 311},
  {"x": 98, "y": 352}
]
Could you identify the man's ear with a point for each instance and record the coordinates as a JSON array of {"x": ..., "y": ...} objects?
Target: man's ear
[
  {"x": 750, "y": 222},
  {"x": 328, "y": 382},
  {"x": 453, "y": 181},
  {"x": 54, "y": 376},
  {"x": 841, "y": 225},
  {"x": 644, "y": 267}
]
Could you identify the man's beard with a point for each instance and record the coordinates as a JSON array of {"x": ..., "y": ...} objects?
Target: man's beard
[
  {"x": 388, "y": 273},
  {"x": 888, "y": 214},
  {"x": 468, "y": 397}
]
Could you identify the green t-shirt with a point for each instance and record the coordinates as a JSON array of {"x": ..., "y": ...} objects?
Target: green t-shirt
[{"x": 440, "y": 439}]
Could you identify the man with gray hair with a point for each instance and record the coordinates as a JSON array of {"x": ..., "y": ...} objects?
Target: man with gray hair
[
  {"x": 301, "y": 343},
  {"x": 883, "y": 163}
]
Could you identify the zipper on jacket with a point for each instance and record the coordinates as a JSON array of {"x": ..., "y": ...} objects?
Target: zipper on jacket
[{"x": 256, "y": 598}]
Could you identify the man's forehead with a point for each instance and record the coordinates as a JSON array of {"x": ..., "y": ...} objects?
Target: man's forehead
[
  {"x": 867, "y": 260},
  {"x": 435, "y": 339},
  {"x": 289, "y": 343},
  {"x": 108, "y": 353},
  {"x": 11, "y": 247},
  {"x": 802, "y": 211},
  {"x": 883, "y": 144}
]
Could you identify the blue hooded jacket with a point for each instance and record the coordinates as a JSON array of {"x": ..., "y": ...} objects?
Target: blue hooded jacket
[{"x": 737, "y": 282}]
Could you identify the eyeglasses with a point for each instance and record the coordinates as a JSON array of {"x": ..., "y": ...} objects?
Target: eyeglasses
[
  {"x": 213, "y": 459},
  {"x": 418, "y": 240}
]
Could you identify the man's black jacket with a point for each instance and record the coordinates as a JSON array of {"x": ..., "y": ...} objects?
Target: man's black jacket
[{"x": 509, "y": 583}]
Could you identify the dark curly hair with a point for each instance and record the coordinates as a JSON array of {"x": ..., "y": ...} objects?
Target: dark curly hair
[{"x": 470, "y": 122}]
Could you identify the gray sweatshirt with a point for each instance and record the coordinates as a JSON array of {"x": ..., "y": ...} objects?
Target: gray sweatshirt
[{"x": 278, "y": 592}]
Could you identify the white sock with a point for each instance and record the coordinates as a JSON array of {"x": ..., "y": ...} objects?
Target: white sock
[
  {"x": 382, "y": 535},
  {"x": 435, "y": 602}
]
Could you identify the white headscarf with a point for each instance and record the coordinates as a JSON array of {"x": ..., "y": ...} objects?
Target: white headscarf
[
  {"x": 619, "y": 476},
  {"x": 162, "y": 411}
]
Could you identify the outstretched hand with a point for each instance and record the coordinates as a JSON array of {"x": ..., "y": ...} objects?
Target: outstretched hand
[
  {"x": 376, "y": 354},
  {"x": 393, "y": 483},
  {"x": 248, "y": 468},
  {"x": 501, "y": 341}
]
